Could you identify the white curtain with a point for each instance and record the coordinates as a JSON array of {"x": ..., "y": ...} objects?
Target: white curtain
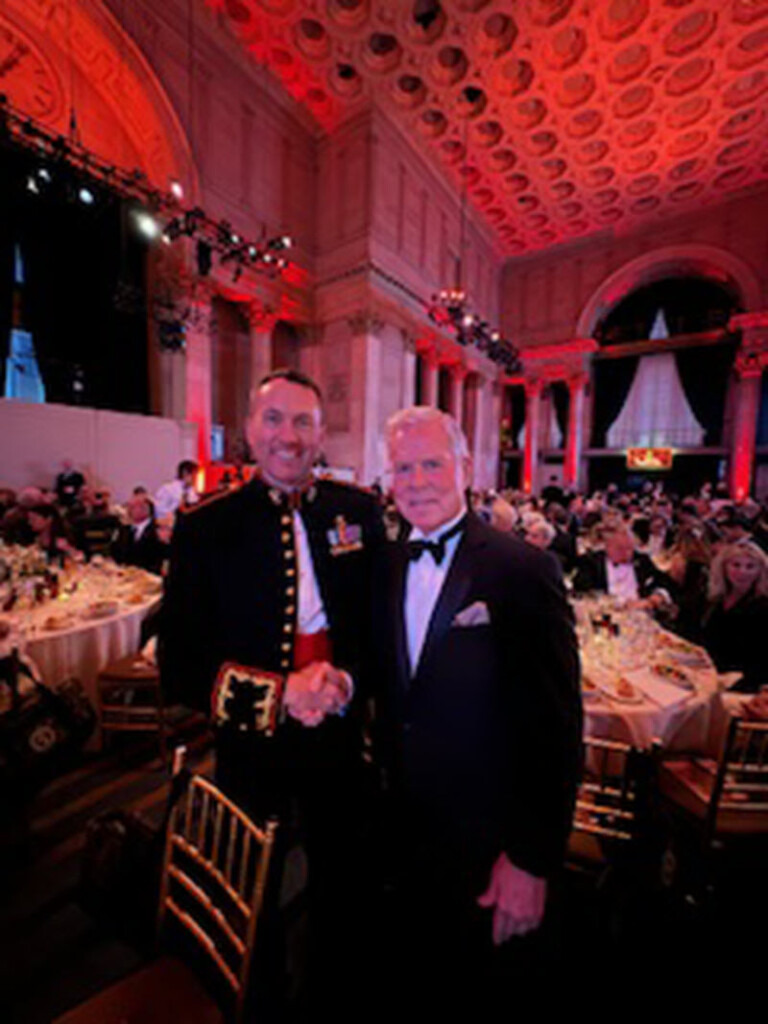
[{"x": 656, "y": 413}]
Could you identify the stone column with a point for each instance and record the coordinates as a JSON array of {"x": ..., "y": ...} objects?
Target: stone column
[
  {"x": 573, "y": 441},
  {"x": 198, "y": 374},
  {"x": 751, "y": 360},
  {"x": 749, "y": 371},
  {"x": 429, "y": 369},
  {"x": 531, "y": 455},
  {"x": 458, "y": 374},
  {"x": 262, "y": 321},
  {"x": 408, "y": 378}
]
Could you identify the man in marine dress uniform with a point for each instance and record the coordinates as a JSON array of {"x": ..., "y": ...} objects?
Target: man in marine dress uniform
[{"x": 267, "y": 623}]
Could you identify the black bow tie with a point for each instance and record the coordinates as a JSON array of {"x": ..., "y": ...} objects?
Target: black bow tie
[{"x": 436, "y": 548}]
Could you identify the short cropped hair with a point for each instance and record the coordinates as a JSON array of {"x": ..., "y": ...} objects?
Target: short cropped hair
[
  {"x": 185, "y": 466},
  {"x": 293, "y": 377},
  {"x": 416, "y": 414}
]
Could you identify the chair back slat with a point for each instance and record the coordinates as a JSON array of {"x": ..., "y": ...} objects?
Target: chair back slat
[
  {"x": 214, "y": 877},
  {"x": 606, "y": 805},
  {"x": 740, "y": 788}
]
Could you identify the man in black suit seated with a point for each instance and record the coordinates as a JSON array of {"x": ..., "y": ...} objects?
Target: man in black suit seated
[
  {"x": 623, "y": 572},
  {"x": 137, "y": 541},
  {"x": 480, "y": 721}
]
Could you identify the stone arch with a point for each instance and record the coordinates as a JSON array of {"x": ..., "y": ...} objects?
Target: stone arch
[
  {"x": 698, "y": 260},
  {"x": 90, "y": 61}
]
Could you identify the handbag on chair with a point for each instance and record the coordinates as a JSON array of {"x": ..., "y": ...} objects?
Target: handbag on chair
[{"x": 121, "y": 864}]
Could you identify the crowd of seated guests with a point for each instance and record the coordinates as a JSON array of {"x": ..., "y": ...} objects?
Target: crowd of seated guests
[
  {"x": 78, "y": 521},
  {"x": 699, "y": 563}
]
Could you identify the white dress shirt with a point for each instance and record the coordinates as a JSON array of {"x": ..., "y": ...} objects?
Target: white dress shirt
[
  {"x": 424, "y": 582},
  {"x": 139, "y": 528},
  {"x": 311, "y": 617},
  {"x": 622, "y": 580}
]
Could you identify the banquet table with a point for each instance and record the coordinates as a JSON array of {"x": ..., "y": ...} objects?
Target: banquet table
[
  {"x": 94, "y": 619},
  {"x": 643, "y": 685}
]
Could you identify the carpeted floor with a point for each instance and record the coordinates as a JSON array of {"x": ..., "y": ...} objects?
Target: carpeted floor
[{"x": 53, "y": 954}]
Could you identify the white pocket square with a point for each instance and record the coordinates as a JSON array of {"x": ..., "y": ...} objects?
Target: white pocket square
[{"x": 476, "y": 614}]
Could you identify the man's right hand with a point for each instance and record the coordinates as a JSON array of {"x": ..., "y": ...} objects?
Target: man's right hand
[{"x": 315, "y": 692}]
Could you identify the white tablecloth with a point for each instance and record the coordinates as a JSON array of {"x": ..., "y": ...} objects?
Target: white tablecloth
[
  {"x": 81, "y": 651},
  {"x": 690, "y": 722}
]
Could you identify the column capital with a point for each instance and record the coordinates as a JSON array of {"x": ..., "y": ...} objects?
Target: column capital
[
  {"x": 260, "y": 315},
  {"x": 427, "y": 349},
  {"x": 750, "y": 364},
  {"x": 458, "y": 371},
  {"x": 577, "y": 381},
  {"x": 365, "y": 321},
  {"x": 757, "y": 319}
]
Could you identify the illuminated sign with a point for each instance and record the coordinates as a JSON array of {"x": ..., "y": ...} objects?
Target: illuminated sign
[{"x": 649, "y": 458}]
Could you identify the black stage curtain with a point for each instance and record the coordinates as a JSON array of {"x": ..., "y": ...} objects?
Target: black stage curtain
[
  {"x": 704, "y": 374},
  {"x": 517, "y": 411},
  {"x": 612, "y": 381},
  {"x": 84, "y": 291},
  {"x": 560, "y": 403}
]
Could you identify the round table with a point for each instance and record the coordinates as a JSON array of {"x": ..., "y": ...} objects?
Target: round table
[
  {"x": 659, "y": 712},
  {"x": 95, "y": 620}
]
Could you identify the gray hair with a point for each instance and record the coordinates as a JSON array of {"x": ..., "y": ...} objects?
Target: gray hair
[{"x": 404, "y": 419}]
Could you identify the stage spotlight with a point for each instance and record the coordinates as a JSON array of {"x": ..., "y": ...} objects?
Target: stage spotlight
[
  {"x": 467, "y": 320},
  {"x": 44, "y": 175},
  {"x": 176, "y": 189},
  {"x": 286, "y": 241},
  {"x": 253, "y": 252},
  {"x": 32, "y": 186},
  {"x": 235, "y": 239},
  {"x": 146, "y": 224},
  {"x": 268, "y": 257},
  {"x": 86, "y": 196}
]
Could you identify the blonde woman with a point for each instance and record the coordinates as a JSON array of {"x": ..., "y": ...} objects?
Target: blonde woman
[{"x": 735, "y": 625}]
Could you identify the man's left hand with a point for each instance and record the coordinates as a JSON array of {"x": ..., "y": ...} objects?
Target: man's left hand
[{"x": 517, "y": 899}]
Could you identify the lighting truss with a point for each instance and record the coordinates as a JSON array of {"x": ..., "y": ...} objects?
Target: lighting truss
[{"x": 161, "y": 214}]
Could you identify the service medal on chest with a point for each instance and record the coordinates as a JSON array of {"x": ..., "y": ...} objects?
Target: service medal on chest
[{"x": 345, "y": 537}]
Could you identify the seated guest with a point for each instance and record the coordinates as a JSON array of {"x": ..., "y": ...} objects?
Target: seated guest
[
  {"x": 137, "y": 540},
  {"x": 735, "y": 624},
  {"x": 539, "y": 532},
  {"x": 181, "y": 491},
  {"x": 50, "y": 532},
  {"x": 621, "y": 571},
  {"x": 563, "y": 544},
  {"x": 688, "y": 565},
  {"x": 734, "y": 525},
  {"x": 503, "y": 515},
  {"x": 97, "y": 528}
]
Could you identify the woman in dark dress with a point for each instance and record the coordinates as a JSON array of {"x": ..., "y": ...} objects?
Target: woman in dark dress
[{"x": 735, "y": 625}]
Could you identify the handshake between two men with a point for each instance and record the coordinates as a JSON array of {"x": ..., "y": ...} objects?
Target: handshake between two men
[{"x": 316, "y": 691}]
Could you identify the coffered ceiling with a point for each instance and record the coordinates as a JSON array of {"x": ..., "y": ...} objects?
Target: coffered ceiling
[{"x": 559, "y": 117}]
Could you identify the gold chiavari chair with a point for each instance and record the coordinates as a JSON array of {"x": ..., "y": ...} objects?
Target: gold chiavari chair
[
  {"x": 213, "y": 882},
  {"x": 728, "y": 797},
  {"x": 608, "y": 804}
]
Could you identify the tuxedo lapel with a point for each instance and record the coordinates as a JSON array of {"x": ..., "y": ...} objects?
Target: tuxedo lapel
[
  {"x": 397, "y": 609},
  {"x": 454, "y": 591}
]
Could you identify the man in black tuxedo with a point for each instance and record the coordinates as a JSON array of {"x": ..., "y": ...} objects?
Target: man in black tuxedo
[
  {"x": 624, "y": 573},
  {"x": 137, "y": 541},
  {"x": 267, "y": 624},
  {"x": 481, "y": 721}
]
